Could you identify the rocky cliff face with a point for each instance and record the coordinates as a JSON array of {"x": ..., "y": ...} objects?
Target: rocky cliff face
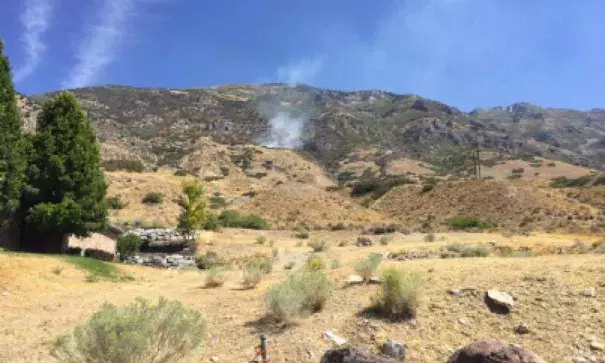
[{"x": 161, "y": 126}]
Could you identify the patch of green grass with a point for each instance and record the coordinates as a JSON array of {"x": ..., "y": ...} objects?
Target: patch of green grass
[{"x": 97, "y": 270}]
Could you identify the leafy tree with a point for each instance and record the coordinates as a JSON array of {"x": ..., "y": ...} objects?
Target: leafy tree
[
  {"x": 193, "y": 208},
  {"x": 12, "y": 156},
  {"x": 66, "y": 187}
]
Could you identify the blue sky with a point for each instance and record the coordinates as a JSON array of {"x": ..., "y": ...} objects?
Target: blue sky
[{"x": 468, "y": 53}]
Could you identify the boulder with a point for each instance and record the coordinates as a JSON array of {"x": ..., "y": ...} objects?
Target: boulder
[
  {"x": 352, "y": 355},
  {"x": 500, "y": 301},
  {"x": 354, "y": 279},
  {"x": 493, "y": 351}
]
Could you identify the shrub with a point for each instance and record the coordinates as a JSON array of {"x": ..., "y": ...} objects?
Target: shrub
[
  {"x": 231, "y": 218},
  {"x": 115, "y": 203},
  {"x": 315, "y": 263},
  {"x": 378, "y": 187},
  {"x": 367, "y": 268},
  {"x": 398, "y": 294},
  {"x": 215, "y": 277},
  {"x": 208, "y": 260},
  {"x": 304, "y": 292},
  {"x": 128, "y": 245},
  {"x": 224, "y": 171},
  {"x": 289, "y": 265},
  {"x": 253, "y": 274},
  {"x": 342, "y": 243},
  {"x": 274, "y": 252},
  {"x": 180, "y": 172},
  {"x": 600, "y": 249},
  {"x": 476, "y": 251},
  {"x": 338, "y": 227},
  {"x": 514, "y": 176},
  {"x": 430, "y": 237},
  {"x": 263, "y": 264},
  {"x": 467, "y": 222},
  {"x": 518, "y": 171},
  {"x": 467, "y": 250},
  {"x": 384, "y": 240},
  {"x": 336, "y": 264},
  {"x": 260, "y": 240},
  {"x": 302, "y": 233},
  {"x": 99, "y": 254},
  {"x": 428, "y": 187},
  {"x": 153, "y": 198},
  {"x": 130, "y": 165},
  {"x": 137, "y": 333},
  {"x": 212, "y": 222},
  {"x": 318, "y": 245}
]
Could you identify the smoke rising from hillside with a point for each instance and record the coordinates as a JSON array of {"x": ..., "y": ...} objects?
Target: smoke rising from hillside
[
  {"x": 285, "y": 131},
  {"x": 287, "y": 124}
]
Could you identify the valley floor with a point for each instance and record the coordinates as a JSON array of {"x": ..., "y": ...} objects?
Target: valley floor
[{"x": 40, "y": 303}]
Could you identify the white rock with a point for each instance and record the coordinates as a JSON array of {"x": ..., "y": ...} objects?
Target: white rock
[
  {"x": 502, "y": 299},
  {"x": 589, "y": 292},
  {"x": 335, "y": 338},
  {"x": 463, "y": 321},
  {"x": 354, "y": 279},
  {"x": 6, "y": 293}
]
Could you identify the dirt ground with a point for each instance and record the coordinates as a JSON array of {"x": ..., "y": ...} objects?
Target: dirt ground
[{"x": 549, "y": 293}]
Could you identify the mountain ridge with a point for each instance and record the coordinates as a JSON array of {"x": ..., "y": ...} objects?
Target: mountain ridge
[{"x": 160, "y": 124}]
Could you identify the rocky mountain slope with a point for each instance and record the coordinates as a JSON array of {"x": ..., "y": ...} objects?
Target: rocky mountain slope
[{"x": 161, "y": 126}]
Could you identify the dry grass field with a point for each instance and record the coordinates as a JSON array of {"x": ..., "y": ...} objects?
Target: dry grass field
[{"x": 46, "y": 296}]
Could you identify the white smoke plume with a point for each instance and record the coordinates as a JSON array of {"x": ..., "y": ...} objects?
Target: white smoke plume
[{"x": 285, "y": 129}]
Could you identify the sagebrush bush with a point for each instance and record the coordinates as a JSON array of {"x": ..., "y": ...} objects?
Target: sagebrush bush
[
  {"x": 253, "y": 274},
  {"x": 318, "y": 245},
  {"x": 264, "y": 264},
  {"x": 128, "y": 245},
  {"x": 274, "y": 252},
  {"x": 367, "y": 268},
  {"x": 289, "y": 265},
  {"x": 315, "y": 263},
  {"x": 303, "y": 293},
  {"x": 153, "y": 198},
  {"x": 385, "y": 240},
  {"x": 302, "y": 233},
  {"x": 398, "y": 294},
  {"x": 430, "y": 237},
  {"x": 261, "y": 240},
  {"x": 137, "y": 333},
  {"x": 215, "y": 277},
  {"x": 208, "y": 260},
  {"x": 463, "y": 250}
]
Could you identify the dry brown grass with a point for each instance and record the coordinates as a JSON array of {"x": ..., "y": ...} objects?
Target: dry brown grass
[
  {"x": 501, "y": 171},
  {"x": 288, "y": 205},
  {"x": 504, "y": 202},
  {"x": 42, "y": 304}
]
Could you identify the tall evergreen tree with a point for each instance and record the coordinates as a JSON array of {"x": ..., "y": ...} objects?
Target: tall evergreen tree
[
  {"x": 12, "y": 158},
  {"x": 67, "y": 189}
]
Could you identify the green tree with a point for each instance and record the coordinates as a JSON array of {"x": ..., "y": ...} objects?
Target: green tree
[
  {"x": 193, "y": 208},
  {"x": 66, "y": 187},
  {"x": 12, "y": 156}
]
